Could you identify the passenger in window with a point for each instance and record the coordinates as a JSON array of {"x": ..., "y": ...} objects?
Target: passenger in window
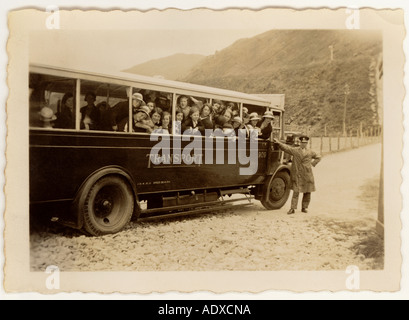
[
  {"x": 47, "y": 117},
  {"x": 165, "y": 123},
  {"x": 237, "y": 124},
  {"x": 218, "y": 126},
  {"x": 235, "y": 113},
  {"x": 65, "y": 117},
  {"x": 228, "y": 115},
  {"x": 193, "y": 125},
  {"x": 139, "y": 117},
  {"x": 232, "y": 107},
  {"x": 105, "y": 110},
  {"x": 206, "y": 116},
  {"x": 216, "y": 108},
  {"x": 90, "y": 115},
  {"x": 245, "y": 111},
  {"x": 184, "y": 106},
  {"x": 163, "y": 103},
  {"x": 156, "y": 117},
  {"x": 180, "y": 118},
  {"x": 120, "y": 111},
  {"x": 228, "y": 130},
  {"x": 151, "y": 105},
  {"x": 253, "y": 122},
  {"x": 266, "y": 127}
]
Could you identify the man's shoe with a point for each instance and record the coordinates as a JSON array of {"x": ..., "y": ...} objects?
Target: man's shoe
[
  {"x": 291, "y": 211},
  {"x": 304, "y": 210}
]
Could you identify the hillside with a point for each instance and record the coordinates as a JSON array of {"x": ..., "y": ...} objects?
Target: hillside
[
  {"x": 172, "y": 67},
  {"x": 298, "y": 64}
]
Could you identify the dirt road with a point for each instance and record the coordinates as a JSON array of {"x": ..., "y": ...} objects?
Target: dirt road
[{"x": 338, "y": 231}]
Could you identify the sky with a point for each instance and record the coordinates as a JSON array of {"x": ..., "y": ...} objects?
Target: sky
[
  {"x": 119, "y": 40},
  {"x": 119, "y": 50}
]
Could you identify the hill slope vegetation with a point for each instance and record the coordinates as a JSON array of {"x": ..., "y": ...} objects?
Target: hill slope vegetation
[{"x": 298, "y": 63}]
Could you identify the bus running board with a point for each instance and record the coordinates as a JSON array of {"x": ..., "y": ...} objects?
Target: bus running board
[
  {"x": 235, "y": 191},
  {"x": 221, "y": 206},
  {"x": 230, "y": 192},
  {"x": 211, "y": 204}
]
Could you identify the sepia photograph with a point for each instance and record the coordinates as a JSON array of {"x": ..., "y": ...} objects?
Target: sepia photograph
[{"x": 258, "y": 149}]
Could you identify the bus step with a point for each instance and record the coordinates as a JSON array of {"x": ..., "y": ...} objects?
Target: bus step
[
  {"x": 192, "y": 212},
  {"x": 211, "y": 204},
  {"x": 235, "y": 191}
]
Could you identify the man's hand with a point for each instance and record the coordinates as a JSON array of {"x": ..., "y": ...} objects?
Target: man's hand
[{"x": 275, "y": 140}]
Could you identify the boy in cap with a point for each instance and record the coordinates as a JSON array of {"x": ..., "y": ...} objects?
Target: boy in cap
[
  {"x": 301, "y": 172},
  {"x": 120, "y": 111}
]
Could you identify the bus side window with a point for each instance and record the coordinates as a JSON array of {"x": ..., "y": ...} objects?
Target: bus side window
[
  {"x": 152, "y": 111},
  {"x": 193, "y": 115},
  {"x": 52, "y": 102},
  {"x": 104, "y": 106}
]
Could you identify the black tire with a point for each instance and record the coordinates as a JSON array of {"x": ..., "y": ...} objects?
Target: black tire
[
  {"x": 108, "y": 206},
  {"x": 276, "y": 191}
]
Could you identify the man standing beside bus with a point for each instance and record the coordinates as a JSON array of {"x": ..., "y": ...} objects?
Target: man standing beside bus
[{"x": 302, "y": 177}]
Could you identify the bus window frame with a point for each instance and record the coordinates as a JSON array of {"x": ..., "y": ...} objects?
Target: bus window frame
[{"x": 79, "y": 76}]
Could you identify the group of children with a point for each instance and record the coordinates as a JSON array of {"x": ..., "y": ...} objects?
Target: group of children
[{"x": 192, "y": 116}]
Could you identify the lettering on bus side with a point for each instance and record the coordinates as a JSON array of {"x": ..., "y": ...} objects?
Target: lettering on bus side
[{"x": 201, "y": 150}]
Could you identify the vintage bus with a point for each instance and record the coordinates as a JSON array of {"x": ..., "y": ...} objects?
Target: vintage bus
[{"x": 89, "y": 172}]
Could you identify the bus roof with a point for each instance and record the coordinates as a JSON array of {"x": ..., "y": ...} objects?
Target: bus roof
[{"x": 157, "y": 83}]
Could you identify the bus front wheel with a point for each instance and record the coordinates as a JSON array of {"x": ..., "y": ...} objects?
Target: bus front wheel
[
  {"x": 108, "y": 206},
  {"x": 276, "y": 191}
]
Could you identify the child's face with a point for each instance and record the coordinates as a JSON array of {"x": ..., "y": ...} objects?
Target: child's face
[
  {"x": 136, "y": 103},
  {"x": 236, "y": 124},
  {"x": 195, "y": 116},
  {"x": 150, "y": 105},
  {"x": 69, "y": 103},
  {"x": 183, "y": 103},
  {"x": 206, "y": 111},
  {"x": 156, "y": 117},
  {"x": 165, "y": 120},
  {"x": 254, "y": 122},
  {"x": 179, "y": 116},
  {"x": 227, "y": 115}
]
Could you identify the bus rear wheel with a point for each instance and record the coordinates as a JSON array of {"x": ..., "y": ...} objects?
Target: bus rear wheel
[
  {"x": 276, "y": 191},
  {"x": 108, "y": 206}
]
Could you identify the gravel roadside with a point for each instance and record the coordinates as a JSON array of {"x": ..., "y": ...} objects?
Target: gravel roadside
[
  {"x": 250, "y": 238},
  {"x": 334, "y": 235}
]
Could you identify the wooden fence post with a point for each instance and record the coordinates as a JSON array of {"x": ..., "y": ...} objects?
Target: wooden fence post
[
  {"x": 321, "y": 146},
  {"x": 358, "y": 134},
  {"x": 339, "y": 147}
]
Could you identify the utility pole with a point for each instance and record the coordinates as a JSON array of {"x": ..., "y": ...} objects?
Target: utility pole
[
  {"x": 331, "y": 49},
  {"x": 346, "y": 92}
]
